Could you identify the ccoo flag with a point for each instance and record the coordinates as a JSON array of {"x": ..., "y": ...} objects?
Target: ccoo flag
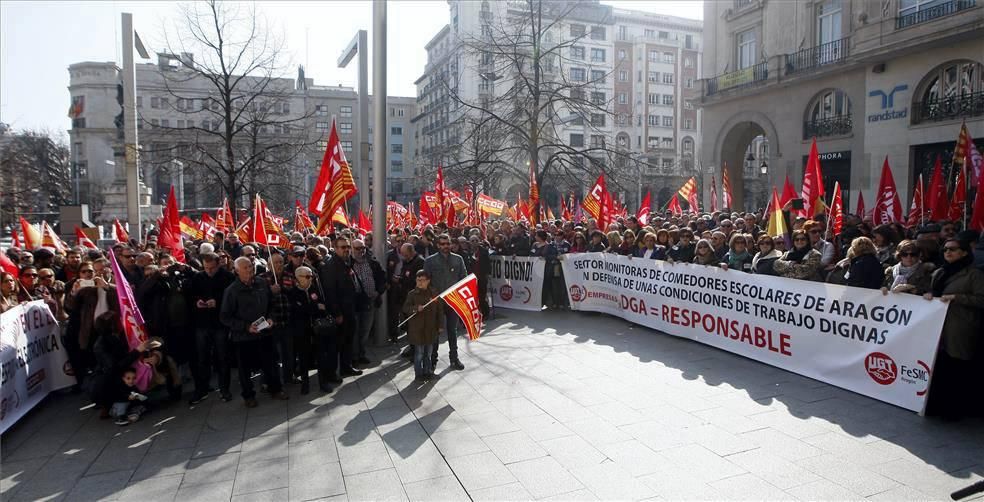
[
  {"x": 462, "y": 297},
  {"x": 130, "y": 317},
  {"x": 888, "y": 207}
]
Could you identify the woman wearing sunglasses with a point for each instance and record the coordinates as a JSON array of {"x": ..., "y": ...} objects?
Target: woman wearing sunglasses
[
  {"x": 910, "y": 274},
  {"x": 800, "y": 262},
  {"x": 957, "y": 376}
]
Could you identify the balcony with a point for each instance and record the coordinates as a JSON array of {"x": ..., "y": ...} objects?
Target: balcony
[
  {"x": 831, "y": 126},
  {"x": 934, "y": 12},
  {"x": 955, "y": 107},
  {"x": 815, "y": 57},
  {"x": 745, "y": 77}
]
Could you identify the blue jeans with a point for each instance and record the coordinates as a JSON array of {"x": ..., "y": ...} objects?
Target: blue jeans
[
  {"x": 451, "y": 330},
  {"x": 421, "y": 359}
]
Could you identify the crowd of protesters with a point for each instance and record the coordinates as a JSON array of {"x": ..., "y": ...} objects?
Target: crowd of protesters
[{"x": 286, "y": 312}]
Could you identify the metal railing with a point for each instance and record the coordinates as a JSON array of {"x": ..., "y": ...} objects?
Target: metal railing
[
  {"x": 741, "y": 4},
  {"x": 738, "y": 79},
  {"x": 814, "y": 57},
  {"x": 966, "y": 105},
  {"x": 831, "y": 126},
  {"x": 934, "y": 12}
]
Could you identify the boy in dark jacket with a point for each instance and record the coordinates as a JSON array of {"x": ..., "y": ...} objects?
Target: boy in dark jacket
[
  {"x": 125, "y": 398},
  {"x": 423, "y": 328}
]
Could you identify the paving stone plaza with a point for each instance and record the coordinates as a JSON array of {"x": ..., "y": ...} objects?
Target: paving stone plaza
[{"x": 551, "y": 405}]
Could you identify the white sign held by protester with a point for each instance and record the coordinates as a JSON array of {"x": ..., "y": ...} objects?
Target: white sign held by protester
[
  {"x": 33, "y": 361},
  {"x": 516, "y": 282},
  {"x": 880, "y": 346}
]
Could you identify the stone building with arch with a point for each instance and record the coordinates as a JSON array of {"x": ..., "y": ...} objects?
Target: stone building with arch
[{"x": 868, "y": 79}]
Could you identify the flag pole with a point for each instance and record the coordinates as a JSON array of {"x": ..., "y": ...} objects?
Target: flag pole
[
  {"x": 922, "y": 202},
  {"x": 432, "y": 300}
]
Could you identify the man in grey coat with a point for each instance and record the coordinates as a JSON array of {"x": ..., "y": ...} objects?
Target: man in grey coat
[{"x": 445, "y": 269}]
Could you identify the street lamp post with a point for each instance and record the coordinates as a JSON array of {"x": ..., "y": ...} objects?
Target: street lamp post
[
  {"x": 359, "y": 46},
  {"x": 380, "y": 158}
]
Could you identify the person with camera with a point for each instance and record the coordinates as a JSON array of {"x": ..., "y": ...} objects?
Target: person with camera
[
  {"x": 244, "y": 310},
  {"x": 211, "y": 337}
]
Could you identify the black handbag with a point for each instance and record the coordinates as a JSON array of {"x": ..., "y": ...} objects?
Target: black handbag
[{"x": 323, "y": 326}]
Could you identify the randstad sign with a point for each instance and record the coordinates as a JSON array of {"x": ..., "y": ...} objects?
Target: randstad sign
[{"x": 886, "y": 104}]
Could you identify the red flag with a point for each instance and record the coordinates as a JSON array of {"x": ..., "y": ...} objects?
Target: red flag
[
  {"x": 223, "y": 218},
  {"x": 936, "y": 197},
  {"x": 595, "y": 198},
  {"x": 917, "y": 209},
  {"x": 607, "y": 211},
  {"x": 674, "y": 206},
  {"x": 83, "y": 239},
  {"x": 888, "y": 208},
  {"x": 534, "y": 188},
  {"x": 335, "y": 184},
  {"x": 50, "y": 239},
  {"x": 365, "y": 225},
  {"x": 963, "y": 157},
  {"x": 15, "y": 239},
  {"x": 958, "y": 203},
  {"x": 836, "y": 211},
  {"x": 130, "y": 317},
  {"x": 207, "y": 226},
  {"x": 302, "y": 222},
  {"x": 643, "y": 214},
  {"x": 788, "y": 193},
  {"x": 120, "y": 233},
  {"x": 450, "y": 216},
  {"x": 170, "y": 236},
  {"x": 7, "y": 265},
  {"x": 259, "y": 233},
  {"x": 462, "y": 297},
  {"x": 860, "y": 209},
  {"x": 32, "y": 237},
  {"x": 692, "y": 200},
  {"x": 813, "y": 184},
  {"x": 439, "y": 190},
  {"x": 726, "y": 197},
  {"x": 977, "y": 219},
  {"x": 243, "y": 230},
  {"x": 714, "y": 195},
  {"x": 565, "y": 211}
]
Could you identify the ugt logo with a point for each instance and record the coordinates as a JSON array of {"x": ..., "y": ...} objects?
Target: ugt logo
[
  {"x": 881, "y": 368},
  {"x": 887, "y": 100}
]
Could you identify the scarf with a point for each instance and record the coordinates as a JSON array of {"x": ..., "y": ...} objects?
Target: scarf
[
  {"x": 901, "y": 274},
  {"x": 797, "y": 255},
  {"x": 759, "y": 256},
  {"x": 949, "y": 270},
  {"x": 735, "y": 259}
]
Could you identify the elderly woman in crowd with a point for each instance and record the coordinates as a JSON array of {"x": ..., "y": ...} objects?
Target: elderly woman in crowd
[
  {"x": 957, "y": 369},
  {"x": 738, "y": 257},
  {"x": 650, "y": 249},
  {"x": 705, "y": 253},
  {"x": 628, "y": 246},
  {"x": 885, "y": 240},
  {"x": 614, "y": 242},
  {"x": 864, "y": 270},
  {"x": 801, "y": 262},
  {"x": 910, "y": 274},
  {"x": 766, "y": 256},
  {"x": 8, "y": 291}
]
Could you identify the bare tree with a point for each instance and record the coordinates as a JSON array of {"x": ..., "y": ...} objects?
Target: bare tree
[
  {"x": 34, "y": 174},
  {"x": 528, "y": 91},
  {"x": 243, "y": 129}
]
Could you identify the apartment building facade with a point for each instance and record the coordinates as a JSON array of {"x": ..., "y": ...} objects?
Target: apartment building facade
[
  {"x": 868, "y": 80},
  {"x": 642, "y": 68},
  {"x": 175, "y": 113}
]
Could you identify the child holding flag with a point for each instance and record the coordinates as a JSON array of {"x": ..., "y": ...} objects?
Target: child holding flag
[{"x": 424, "y": 324}]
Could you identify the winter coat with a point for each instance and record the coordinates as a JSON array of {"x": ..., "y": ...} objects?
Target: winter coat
[
  {"x": 243, "y": 304},
  {"x": 964, "y": 324},
  {"x": 807, "y": 269},
  {"x": 921, "y": 278},
  {"x": 865, "y": 272},
  {"x": 423, "y": 328}
]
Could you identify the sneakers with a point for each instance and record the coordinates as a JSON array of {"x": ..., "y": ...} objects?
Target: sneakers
[
  {"x": 456, "y": 365},
  {"x": 133, "y": 417},
  {"x": 350, "y": 372},
  {"x": 122, "y": 422},
  {"x": 251, "y": 403},
  {"x": 197, "y": 398}
]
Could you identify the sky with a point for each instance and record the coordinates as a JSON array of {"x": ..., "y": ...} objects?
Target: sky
[{"x": 40, "y": 39}]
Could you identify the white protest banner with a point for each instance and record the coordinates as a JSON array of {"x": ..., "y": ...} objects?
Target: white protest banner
[
  {"x": 516, "y": 282},
  {"x": 33, "y": 361},
  {"x": 880, "y": 346}
]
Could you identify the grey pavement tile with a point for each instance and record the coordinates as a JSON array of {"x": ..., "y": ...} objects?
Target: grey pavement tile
[
  {"x": 635, "y": 458},
  {"x": 825, "y": 490},
  {"x": 748, "y": 487},
  {"x": 573, "y": 451},
  {"x": 40, "y": 444},
  {"x": 311, "y": 429},
  {"x": 445, "y": 488},
  {"x": 656, "y": 435},
  {"x": 925, "y": 478},
  {"x": 106, "y": 486},
  {"x": 264, "y": 448},
  {"x": 365, "y": 457},
  {"x": 858, "y": 479},
  {"x": 315, "y": 481},
  {"x": 617, "y": 413},
  {"x": 160, "y": 489},
  {"x": 261, "y": 476},
  {"x": 775, "y": 470},
  {"x": 218, "y": 443},
  {"x": 425, "y": 462},
  {"x": 441, "y": 419},
  {"x": 480, "y": 471},
  {"x": 490, "y": 423},
  {"x": 725, "y": 419},
  {"x": 598, "y": 432},
  {"x": 702, "y": 463},
  {"x": 544, "y": 477},
  {"x": 211, "y": 469},
  {"x": 780, "y": 444},
  {"x": 118, "y": 458},
  {"x": 719, "y": 440},
  {"x": 274, "y": 495},
  {"x": 309, "y": 453},
  {"x": 263, "y": 425},
  {"x": 514, "y": 447},
  {"x": 176, "y": 438},
  {"x": 511, "y": 492},
  {"x": 213, "y": 491},
  {"x": 675, "y": 483},
  {"x": 375, "y": 486},
  {"x": 574, "y": 496},
  {"x": 163, "y": 463},
  {"x": 55, "y": 479},
  {"x": 14, "y": 474},
  {"x": 903, "y": 493},
  {"x": 543, "y": 427},
  {"x": 609, "y": 481},
  {"x": 458, "y": 442}
]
